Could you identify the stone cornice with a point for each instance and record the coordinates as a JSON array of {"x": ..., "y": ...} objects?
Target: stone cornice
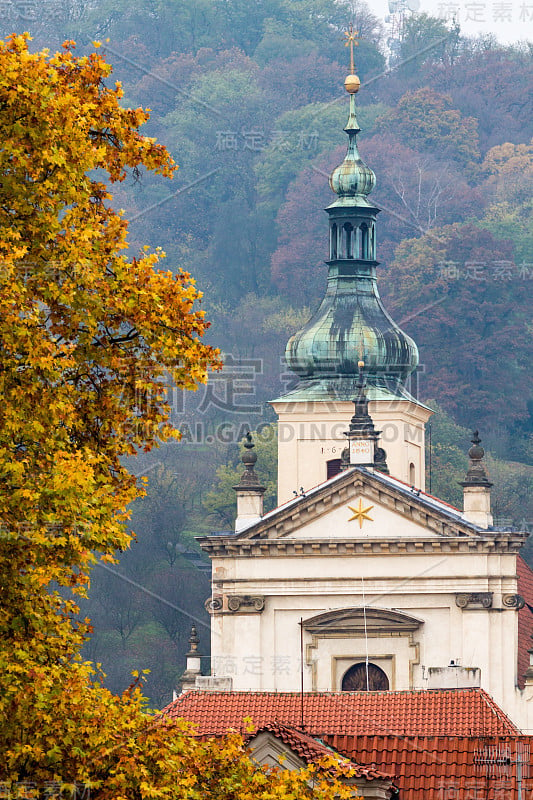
[
  {"x": 438, "y": 583},
  {"x": 219, "y": 547},
  {"x": 322, "y": 409}
]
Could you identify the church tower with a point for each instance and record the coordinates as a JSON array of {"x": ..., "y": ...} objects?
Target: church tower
[
  {"x": 350, "y": 326},
  {"x": 362, "y": 581}
]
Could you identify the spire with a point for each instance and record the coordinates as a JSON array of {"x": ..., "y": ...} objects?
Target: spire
[
  {"x": 249, "y": 490},
  {"x": 362, "y": 435},
  {"x": 351, "y": 42},
  {"x": 352, "y": 180},
  {"x": 351, "y": 321},
  {"x": 476, "y": 487},
  {"x": 324, "y": 352},
  {"x": 361, "y": 423},
  {"x": 352, "y": 82}
]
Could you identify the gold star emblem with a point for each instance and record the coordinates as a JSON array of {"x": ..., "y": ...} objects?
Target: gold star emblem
[{"x": 361, "y": 513}]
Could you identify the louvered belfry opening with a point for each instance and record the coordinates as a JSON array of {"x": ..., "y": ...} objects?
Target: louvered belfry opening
[{"x": 333, "y": 467}]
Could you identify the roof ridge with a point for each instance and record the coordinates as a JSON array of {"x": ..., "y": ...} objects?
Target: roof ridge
[
  {"x": 495, "y": 708},
  {"x": 338, "y": 693}
]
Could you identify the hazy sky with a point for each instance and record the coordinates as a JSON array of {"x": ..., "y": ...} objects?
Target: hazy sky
[{"x": 508, "y": 20}]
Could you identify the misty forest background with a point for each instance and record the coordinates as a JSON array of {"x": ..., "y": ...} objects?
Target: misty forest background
[{"x": 248, "y": 99}]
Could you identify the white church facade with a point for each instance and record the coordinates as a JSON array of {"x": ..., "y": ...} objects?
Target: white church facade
[
  {"x": 364, "y": 570},
  {"x": 360, "y": 580}
]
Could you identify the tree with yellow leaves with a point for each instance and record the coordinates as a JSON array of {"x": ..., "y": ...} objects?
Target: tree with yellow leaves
[
  {"x": 86, "y": 336},
  {"x": 509, "y": 188},
  {"x": 86, "y": 339}
]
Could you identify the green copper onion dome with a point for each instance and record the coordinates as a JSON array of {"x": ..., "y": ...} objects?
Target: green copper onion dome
[
  {"x": 347, "y": 324},
  {"x": 351, "y": 322}
]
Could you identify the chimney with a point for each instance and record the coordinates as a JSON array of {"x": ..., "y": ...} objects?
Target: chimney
[
  {"x": 454, "y": 676},
  {"x": 476, "y": 487},
  {"x": 249, "y": 490}
]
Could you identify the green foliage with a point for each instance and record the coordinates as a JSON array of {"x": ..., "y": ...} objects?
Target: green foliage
[
  {"x": 512, "y": 502},
  {"x": 482, "y": 316},
  {"x": 278, "y": 42},
  {"x": 510, "y": 186},
  {"x": 511, "y": 498},
  {"x": 228, "y": 104},
  {"x": 164, "y": 511},
  {"x": 513, "y": 222},
  {"x": 165, "y": 26},
  {"x": 426, "y": 40},
  {"x": 258, "y": 328},
  {"x": 448, "y": 458},
  {"x": 221, "y": 501}
]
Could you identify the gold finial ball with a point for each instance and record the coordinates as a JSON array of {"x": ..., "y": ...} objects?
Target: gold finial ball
[
  {"x": 352, "y": 84},
  {"x": 360, "y": 364}
]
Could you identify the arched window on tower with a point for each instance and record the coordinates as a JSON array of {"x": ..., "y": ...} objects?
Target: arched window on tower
[
  {"x": 357, "y": 242},
  {"x": 364, "y": 240},
  {"x": 412, "y": 474},
  {"x": 348, "y": 240},
  {"x": 333, "y": 243},
  {"x": 372, "y": 251},
  {"x": 355, "y": 679}
]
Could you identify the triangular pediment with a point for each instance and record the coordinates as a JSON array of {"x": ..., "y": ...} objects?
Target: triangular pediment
[
  {"x": 359, "y": 514},
  {"x": 357, "y": 511},
  {"x": 360, "y": 505}
]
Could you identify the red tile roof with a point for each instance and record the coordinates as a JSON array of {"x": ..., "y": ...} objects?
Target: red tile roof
[
  {"x": 525, "y": 618},
  {"x": 312, "y": 750},
  {"x": 463, "y": 712},
  {"x": 444, "y": 767}
]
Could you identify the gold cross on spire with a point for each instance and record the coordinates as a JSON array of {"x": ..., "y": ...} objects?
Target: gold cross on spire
[{"x": 351, "y": 42}]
